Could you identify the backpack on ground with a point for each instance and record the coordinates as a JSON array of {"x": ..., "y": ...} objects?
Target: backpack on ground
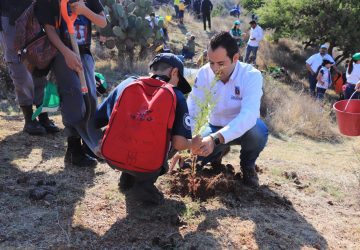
[
  {"x": 138, "y": 136},
  {"x": 31, "y": 42}
]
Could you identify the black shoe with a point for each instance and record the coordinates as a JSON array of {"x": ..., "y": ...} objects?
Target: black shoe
[
  {"x": 75, "y": 155},
  {"x": 217, "y": 162},
  {"x": 90, "y": 153},
  {"x": 48, "y": 124},
  {"x": 126, "y": 182},
  {"x": 148, "y": 194},
  {"x": 250, "y": 177},
  {"x": 32, "y": 127}
]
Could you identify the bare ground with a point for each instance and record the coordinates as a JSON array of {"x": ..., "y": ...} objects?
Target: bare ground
[{"x": 309, "y": 199}]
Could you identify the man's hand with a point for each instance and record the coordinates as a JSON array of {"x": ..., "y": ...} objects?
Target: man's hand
[
  {"x": 73, "y": 61},
  {"x": 79, "y": 8},
  {"x": 196, "y": 143},
  {"x": 357, "y": 87},
  {"x": 207, "y": 147}
]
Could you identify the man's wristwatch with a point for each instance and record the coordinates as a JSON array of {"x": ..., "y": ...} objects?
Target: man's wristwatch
[{"x": 216, "y": 139}]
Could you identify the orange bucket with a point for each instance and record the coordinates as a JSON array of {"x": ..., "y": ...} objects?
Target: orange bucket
[{"x": 348, "y": 116}]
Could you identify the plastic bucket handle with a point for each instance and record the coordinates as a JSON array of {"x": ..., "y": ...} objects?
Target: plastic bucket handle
[{"x": 347, "y": 104}]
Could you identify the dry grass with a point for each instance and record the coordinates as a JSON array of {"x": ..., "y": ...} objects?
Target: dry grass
[{"x": 291, "y": 113}]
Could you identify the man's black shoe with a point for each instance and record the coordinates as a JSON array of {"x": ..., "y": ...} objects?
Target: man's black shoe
[
  {"x": 148, "y": 194},
  {"x": 48, "y": 124},
  {"x": 75, "y": 155},
  {"x": 250, "y": 177},
  {"x": 32, "y": 127},
  {"x": 126, "y": 182}
]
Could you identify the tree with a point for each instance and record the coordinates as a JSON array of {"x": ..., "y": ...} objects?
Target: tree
[
  {"x": 252, "y": 4},
  {"x": 315, "y": 22}
]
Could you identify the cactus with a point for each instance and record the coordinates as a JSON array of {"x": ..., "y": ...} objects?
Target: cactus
[
  {"x": 118, "y": 32},
  {"x": 128, "y": 26}
]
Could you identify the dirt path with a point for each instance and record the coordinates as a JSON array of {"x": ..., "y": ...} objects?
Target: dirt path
[{"x": 309, "y": 199}]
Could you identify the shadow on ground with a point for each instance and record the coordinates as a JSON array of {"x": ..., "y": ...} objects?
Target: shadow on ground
[{"x": 47, "y": 222}]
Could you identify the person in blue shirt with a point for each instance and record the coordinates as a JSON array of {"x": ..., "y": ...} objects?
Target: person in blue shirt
[{"x": 169, "y": 68}]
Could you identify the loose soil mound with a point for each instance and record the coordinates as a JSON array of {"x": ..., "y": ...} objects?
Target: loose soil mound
[{"x": 206, "y": 183}]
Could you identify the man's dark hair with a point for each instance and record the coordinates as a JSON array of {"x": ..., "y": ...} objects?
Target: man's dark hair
[{"x": 226, "y": 41}]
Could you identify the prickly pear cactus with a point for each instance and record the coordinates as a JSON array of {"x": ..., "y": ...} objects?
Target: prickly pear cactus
[{"x": 128, "y": 25}]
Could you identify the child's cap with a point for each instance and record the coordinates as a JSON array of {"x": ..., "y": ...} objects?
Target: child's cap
[{"x": 326, "y": 61}]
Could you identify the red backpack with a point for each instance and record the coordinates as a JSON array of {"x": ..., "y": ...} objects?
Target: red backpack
[{"x": 138, "y": 136}]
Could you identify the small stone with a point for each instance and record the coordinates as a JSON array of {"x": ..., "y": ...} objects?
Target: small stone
[
  {"x": 330, "y": 203},
  {"x": 297, "y": 181}
]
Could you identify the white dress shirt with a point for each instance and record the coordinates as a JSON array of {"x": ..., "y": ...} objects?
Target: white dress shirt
[
  {"x": 256, "y": 33},
  {"x": 354, "y": 77},
  {"x": 317, "y": 59},
  {"x": 237, "y": 102}
]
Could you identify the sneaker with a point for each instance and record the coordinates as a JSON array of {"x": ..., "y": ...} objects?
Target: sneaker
[
  {"x": 126, "y": 182},
  {"x": 250, "y": 177}
]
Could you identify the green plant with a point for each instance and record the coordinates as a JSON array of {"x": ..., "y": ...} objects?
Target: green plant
[
  {"x": 128, "y": 28},
  {"x": 204, "y": 105}
]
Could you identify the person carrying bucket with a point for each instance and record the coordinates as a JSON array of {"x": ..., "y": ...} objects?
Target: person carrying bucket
[
  {"x": 353, "y": 77},
  {"x": 66, "y": 67}
]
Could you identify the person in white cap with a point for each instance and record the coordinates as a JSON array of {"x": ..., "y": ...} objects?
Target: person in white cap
[{"x": 313, "y": 63}]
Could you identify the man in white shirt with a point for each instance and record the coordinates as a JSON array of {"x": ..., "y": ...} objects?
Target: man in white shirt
[
  {"x": 234, "y": 119},
  {"x": 256, "y": 35},
  {"x": 314, "y": 62}
]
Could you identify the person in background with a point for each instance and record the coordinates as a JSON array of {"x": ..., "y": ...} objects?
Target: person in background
[
  {"x": 353, "y": 77},
  {"x": 29, "y": 89},
  {"x": 181, "y": 11},
  {"x": 237, "y": 34},
  {"x": 176, "y": 8},
  {"x": 197, "y": 8},
  {"x": 256, "y": 35},
  {"x": 188, "y": 50},
  {"x": 323, "y": 79},
  {"x": 235, "y": 11},
  {"x": 206, "y": 8},
  {"x": 313, "y": 63}
]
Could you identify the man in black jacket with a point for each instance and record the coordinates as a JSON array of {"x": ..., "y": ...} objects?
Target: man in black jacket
[
  {"x": 29, "y": 90},
  {"x": 206, "y": 8}
]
